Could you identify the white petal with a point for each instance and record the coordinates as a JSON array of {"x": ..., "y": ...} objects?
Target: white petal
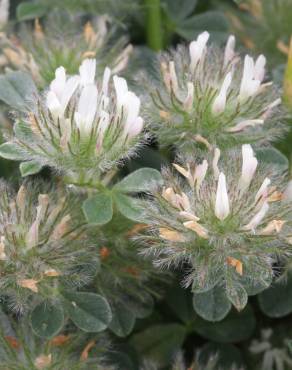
[
  {"x": 200, "y": 173},
  {"x": 58, "y": 84},
  {"x": 222, "y": 209},
  {"x": 263, "y": 190},
  {"x": 131, "y": 104},
  {"x": 256, "y": 220},
  {"x": 249, "y": 86},
  {"x": 215, "y": 163},
  {"x": 86, "y": 109},
  {"x": 220, "y": 101},
  {"x": 243, "y": 124},
  {"x": 4, "y": 12},
  {"x": 121, "y": 88},
  {"x": 197, "y": 48},
  {"x": 53, "y": 103},
  {"x": 105, "y": 80},
  {"x": 136, "y": 127},
  {"x": 229, "y": 50},
  {"x": 259, "y": 68},
  {"x": 249, "y": 166},
  {"x": 87, "y": 71},
  {"x": 188, "y": 103},
  {"x": 69, "y": 89},
  {"x": 173, "y": 76}
]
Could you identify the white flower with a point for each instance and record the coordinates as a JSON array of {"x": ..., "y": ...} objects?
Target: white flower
[
  {"x": 4, "y": 12},
  {"x": 259, "y": 68},
  {"x": 87, "y": 72},
  {"x": 222, "y": 209},
  {"x": 188, "y": 103},
  {"x": 243, "y": 124},
  {"x": 249, "y": 166},
  {"x": 252, "y": 77},
  {"x": 220, "y": 101},
  {"x": 197, "y": 48},
  {"x": 105, "y": 80},
  {"x": 263, "y": 190},
  {"x": 173, "y": 77},
  {"x": 86, "y": 109},
  {"x": 128, "y": 104},
  {"x": 229, "y": 50},
  {"x": 256, "y": 220},
  {"x": 61, "y": 91}
]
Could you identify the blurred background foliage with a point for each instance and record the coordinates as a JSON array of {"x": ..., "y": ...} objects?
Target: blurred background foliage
[{"x": 260, "y": 336}]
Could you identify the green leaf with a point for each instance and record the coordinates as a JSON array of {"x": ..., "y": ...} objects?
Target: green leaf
[
  {"x": 17, "y": 90},
  {"x": 89, "y": 311},
  {"x": 236, "y": 327},
  {"x": 277, "y": 300},
  {"x": 22, "y": 131},
  {"x": 213, "y": 21},
  {"x": 272, "y": 156},
  {"x": 130, "y": 207},
  {"x": 140, "y": 180},
  {"x": 98, "y": 209},
  {"x": 237, "y": 295},
  {"x": 179, "y": 10},
  {"x": 29, "y": 168},
  {"x": 47, "y": 319},
  {"x": 11, "y": 150},
  {"x": 30, "y": 10},
  {"x": 123, "y": 320},
  {"x": 212, "y": 305},
  {"x": 184, "y": 310},
  {"x": 160, "y": 342},
  {"x": 141, "y": 306}
]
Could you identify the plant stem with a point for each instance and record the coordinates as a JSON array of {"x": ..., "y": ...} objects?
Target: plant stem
[{"x": 153, "y": 24}]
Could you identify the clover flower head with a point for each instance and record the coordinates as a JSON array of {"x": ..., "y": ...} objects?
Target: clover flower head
[
  {"x": 39, "y": 246},
  {"x": 81, "y": 128},
  {"x": 226, "y": 222},
  {"x": 39, "y": 51},
  {"x": 210, "y": 97}
]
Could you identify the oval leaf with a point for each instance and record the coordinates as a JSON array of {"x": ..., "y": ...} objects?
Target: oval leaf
[
  {"x": 212, "y": 305},
  {"x": 29, "y": 168},
  {"x": 90, "y": 312},
  {"x": 98, "y": 209},
  {"x": 11, "y": 151},
  {"x": 123, "y": 320},
  {"x": 30, "y": 10},
  {"x": 236, "y": 327},
  {"x": 139, "y": 180},
  {"x": 130, "y": 207},
  {"x": 277, "y": 300},
  {"x": 47, "y": 319}
]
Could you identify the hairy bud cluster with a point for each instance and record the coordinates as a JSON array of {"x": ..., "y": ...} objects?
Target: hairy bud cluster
[
  {"x": 228, "y": 222},
  {"x": 41, "y": 50},
  {"x": 82, "y": 128},
  {"x": 21, "y": 349},
  {"x": 212, "y": 97},
  {"x": 39, "y": 247}
]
